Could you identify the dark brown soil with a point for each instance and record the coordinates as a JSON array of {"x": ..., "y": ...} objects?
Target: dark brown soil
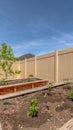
[
  {"x": 16, "y": 81},
  {"x": 54, "y": 107}
]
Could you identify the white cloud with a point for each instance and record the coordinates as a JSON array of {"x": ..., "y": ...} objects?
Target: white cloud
[
  {"x": 27, "y": 46},
  {"x": 66, "y": 39},
  {"x": 69, "y": 44},
  {"x": 58, "y": 38}
]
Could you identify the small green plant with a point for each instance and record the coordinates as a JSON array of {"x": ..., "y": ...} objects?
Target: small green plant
[
  {"x": 33, "y": 107},
  {"x": 13, "y": 73},
  {"x": 4, "y": 82},
  {"x": 31, "y": 75},
  {"x": 29, "y": 78},
  {"x": 50, "y": 87},
  {"x": 71, "y": 95},
  {"x": 67, "y": 83}
]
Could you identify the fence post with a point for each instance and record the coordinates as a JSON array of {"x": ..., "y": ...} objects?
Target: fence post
[
  {"x": 35, "y": 66},
  {"x": 19, "y": 68},
  {"x": 25, "y": 68},
  {"x": 56, "y": 66}
]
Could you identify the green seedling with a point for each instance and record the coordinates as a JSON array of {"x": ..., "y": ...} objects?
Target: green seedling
[
  {"x": 67, "y": 83},
  {"x": 33, "y": 107},
  {"x": 71, "y": 95},
  {"x": 4, "y": 82},
  {"x": 50, "y": 87},
  {"x": 31, "y": 75},
  {"x": 29, "y": 78}
]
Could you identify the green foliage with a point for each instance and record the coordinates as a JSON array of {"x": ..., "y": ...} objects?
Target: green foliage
[
  {"x": 13, "y": 73},
  {"x": 67, "y": 83},
  {"x": 33, "y": 107},
  {"x": 71, "y": 95},
  {"x": 50, "y": 87},
  {"x": 4, "y": 82},
  {"x": 34, "y": 102},
  {"x": 7, "y": 59},
  {"x": 29, "y": 78}
]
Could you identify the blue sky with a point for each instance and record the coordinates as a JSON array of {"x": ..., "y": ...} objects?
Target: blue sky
[{"x": 36, "y": 26}]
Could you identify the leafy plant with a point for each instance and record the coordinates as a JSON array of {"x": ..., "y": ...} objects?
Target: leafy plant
[
  {"x": 7, "y": 59},
  {"x": 71, "y": 95},
  {"x": 31, "y": 75},
  {"x": 50, "y": 87},
  {"x": 4, "y": 82},
  {"x": 67, "y": 83},
  {"x": 29, "y": 78},
  {"x": 33, "y": 107},
  {"x": 13, "y": 73}
]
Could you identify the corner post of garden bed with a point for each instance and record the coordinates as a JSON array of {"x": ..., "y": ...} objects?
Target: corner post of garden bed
[{"x": 56, "y": 67}]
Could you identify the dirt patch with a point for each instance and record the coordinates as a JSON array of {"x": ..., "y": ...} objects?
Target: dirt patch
[
  {"x": 55, "y": 108},
  {"x": 16, "y": 81}
]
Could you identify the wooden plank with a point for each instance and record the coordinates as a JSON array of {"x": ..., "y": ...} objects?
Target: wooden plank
[
  {"x": 68, "y": 125},
  {"x": 27, "y": 91}
]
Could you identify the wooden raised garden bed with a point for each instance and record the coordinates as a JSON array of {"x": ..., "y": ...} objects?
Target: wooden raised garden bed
[{"x": 20, "y": 85}]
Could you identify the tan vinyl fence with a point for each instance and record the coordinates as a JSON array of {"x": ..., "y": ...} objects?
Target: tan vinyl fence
[{"x": 55, "y": 66}]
